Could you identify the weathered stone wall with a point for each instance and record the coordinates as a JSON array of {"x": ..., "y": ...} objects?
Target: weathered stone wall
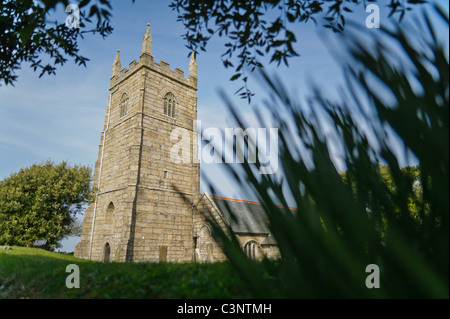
[{"x": 271, "y": 251}]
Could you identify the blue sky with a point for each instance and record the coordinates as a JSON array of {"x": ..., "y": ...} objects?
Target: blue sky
[{"x": 61, "y": 117}]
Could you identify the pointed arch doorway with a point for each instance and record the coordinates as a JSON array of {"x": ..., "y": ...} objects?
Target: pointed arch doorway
[{"x": 107, "y": 253}]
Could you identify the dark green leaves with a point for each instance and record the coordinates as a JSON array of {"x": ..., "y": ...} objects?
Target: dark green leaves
[
  {"x": 41, "y": 202},
  {"x": 27, "y": 34}
]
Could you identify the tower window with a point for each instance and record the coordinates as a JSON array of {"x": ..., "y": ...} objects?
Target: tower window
[
  {"x": 124, "y": 105},
  {"x": 170, "y": 105},
  {"x": 110, "y": 208}
]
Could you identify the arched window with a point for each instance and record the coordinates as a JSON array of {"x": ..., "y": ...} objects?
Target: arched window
[
  {"x": 124, "y": 105},
  {"x": 250, "y": 249},
  {"x": 170, "y": 105},
  {"x": 109, "y": 215},
  {"x": 110, "y": 208}
]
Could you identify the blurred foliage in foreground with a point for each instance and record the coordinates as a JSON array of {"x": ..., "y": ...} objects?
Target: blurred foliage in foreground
[{"x": 390, "y": 114}]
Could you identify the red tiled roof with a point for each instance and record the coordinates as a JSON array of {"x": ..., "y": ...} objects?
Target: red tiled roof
[{"x": 246, "y": 201}]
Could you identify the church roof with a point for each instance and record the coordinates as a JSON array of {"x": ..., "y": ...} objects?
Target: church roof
[
  {"x": 269, "y": 240},
  {"x": 244, "y": 216}
]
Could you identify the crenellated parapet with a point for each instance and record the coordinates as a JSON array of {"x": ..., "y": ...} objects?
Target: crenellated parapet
[{"x": 146, "y": 61}]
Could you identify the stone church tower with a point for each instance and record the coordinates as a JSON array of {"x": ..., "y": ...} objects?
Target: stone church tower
[
  {"x": 147, "y": 205},
  {"x": 144, "y": 203}
]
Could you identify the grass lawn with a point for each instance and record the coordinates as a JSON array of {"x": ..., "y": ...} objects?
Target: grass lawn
[{"x": 38, "y": 274}]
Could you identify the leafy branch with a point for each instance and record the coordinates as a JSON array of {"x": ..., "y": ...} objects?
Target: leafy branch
[
  {"x": 260, "y": 28},
  {"x": 27, "y": 34}
]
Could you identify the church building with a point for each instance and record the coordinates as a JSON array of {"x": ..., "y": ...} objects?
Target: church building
[{"x": 146, "y": 207}]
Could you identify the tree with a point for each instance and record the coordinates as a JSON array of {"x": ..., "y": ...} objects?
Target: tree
[
  {"x": 28, "y": 35},
  {"x": 418, "y": 209},
  {"x": 41, "y": 202},
  {"x": 259, "y": 28}
]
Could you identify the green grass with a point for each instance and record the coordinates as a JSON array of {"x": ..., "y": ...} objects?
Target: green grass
[{"x": 38, "y": 274}]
